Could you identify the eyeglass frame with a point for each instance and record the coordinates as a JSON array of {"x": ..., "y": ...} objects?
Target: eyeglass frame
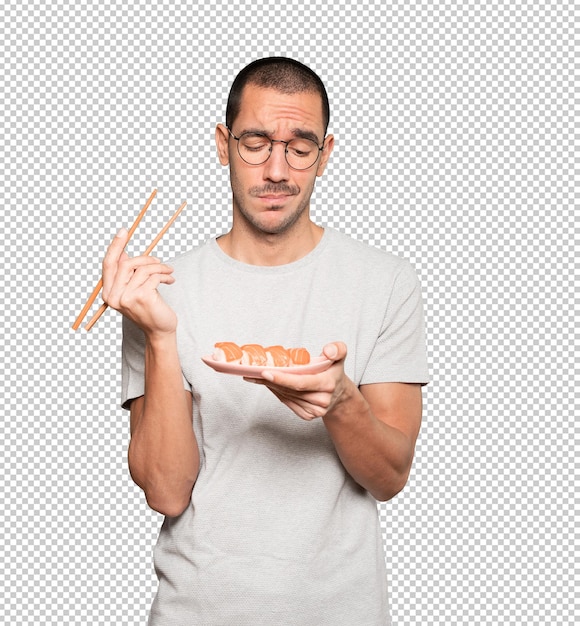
[{"x": 272, "y": 142}]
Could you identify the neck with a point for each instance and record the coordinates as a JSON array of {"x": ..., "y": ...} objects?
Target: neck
[{"x": 259, "y": 248}]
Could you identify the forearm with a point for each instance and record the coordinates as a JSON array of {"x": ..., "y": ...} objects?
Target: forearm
[
  {"x": 376, "y": 455},
  {"x": 163, "y": 453}
]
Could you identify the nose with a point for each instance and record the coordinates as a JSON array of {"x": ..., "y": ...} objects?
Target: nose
[{"x": 276, "y": 168}]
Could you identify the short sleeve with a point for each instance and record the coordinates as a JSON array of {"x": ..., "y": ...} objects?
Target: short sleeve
[{"x": 400, "y": 354}]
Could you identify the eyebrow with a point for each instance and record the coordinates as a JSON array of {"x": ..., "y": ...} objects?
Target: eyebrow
[
  {"x": 305, "y": 134},
  {"x": 297, "y": 132}
]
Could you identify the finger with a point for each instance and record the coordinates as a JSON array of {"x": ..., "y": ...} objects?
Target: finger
[
  {"x": 296, "y": 382},
  {"x": 116, "y": 247},
  {"x": 311, "y": 398},
  {"x": 129, "y": 265},
  {"x": 284, "y": 392},
  {"x": 312, "y": 402},
  {"x": 296, "y": 406},
  {"x": 137, "y": 261},
  {"x": 117, "y": 273},
  {"x": 307, "y": 406},
  {"x": 142, "y": 273},
  {"x": 335, "y": 351},
  {"x": 150, "y": 283},
  {"x": 112, "y": 257},
  {"x": 304, "y": 410},
  {"x": 146, "y": 295},
  {"x": 134, "y": 275}
]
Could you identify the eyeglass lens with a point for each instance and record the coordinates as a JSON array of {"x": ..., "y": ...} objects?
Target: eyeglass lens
[{"x": 255, "y": 149}]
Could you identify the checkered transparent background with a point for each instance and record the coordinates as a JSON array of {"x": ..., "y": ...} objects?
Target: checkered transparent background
[{"x": 454, "y": 148}]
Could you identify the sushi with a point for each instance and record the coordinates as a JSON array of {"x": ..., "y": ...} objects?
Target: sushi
[
  {"x": 228, "y": 351},
  {"x": 278, "y": 356},
  {"x": 299, "y": 356},
  {"x": 255, "y": 354}
]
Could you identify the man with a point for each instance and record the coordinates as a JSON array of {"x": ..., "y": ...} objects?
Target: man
[{"x": 270, "y": 498}]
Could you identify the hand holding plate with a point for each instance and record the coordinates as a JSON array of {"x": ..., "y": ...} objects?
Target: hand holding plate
[{"x": 310, "y": 395}]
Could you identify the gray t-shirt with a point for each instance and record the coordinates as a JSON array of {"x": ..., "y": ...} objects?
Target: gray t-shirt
[{"x": 277, "y": 531}]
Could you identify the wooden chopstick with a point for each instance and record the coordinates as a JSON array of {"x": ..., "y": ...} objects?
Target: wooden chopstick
[
  {"x": 152, "y": 245},
  {"x": 164, "y": 230},
  {"x": 99, "y": 285}
]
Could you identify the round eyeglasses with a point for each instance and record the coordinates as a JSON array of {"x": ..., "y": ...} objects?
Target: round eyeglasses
[{"x": 256, "y": 148}]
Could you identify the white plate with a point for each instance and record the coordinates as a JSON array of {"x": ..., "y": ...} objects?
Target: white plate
[{"x": 317, "y": 364}]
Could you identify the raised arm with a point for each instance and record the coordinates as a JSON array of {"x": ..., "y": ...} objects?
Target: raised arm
[{"x": 163, "y": 452}]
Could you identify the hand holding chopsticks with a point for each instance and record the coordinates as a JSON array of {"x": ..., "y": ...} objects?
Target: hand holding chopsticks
[{"x": 99, "y": 285}]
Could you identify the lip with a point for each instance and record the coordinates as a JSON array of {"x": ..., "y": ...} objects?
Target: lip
[{"x": 274, "y": 196}]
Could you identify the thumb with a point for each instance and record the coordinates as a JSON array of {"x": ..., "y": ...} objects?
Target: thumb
[{"x": 335, "y": 351}]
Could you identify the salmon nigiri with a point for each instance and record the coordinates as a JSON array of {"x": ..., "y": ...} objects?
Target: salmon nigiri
[
  {"x": 277, "y": 356},
  {"x": 299, "y": 356},
  {"x": 253, "y": 354},
  {"x": 228, "y": 351}
]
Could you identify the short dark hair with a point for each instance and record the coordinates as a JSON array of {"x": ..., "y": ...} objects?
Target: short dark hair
[{"x": 280, "y": 73}]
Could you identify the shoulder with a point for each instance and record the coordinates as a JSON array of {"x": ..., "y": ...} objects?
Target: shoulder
[{"x": 362, "y": 257}]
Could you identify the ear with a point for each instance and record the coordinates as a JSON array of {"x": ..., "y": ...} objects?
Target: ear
[
  {"x": 222, "y": 137},
  {"x": 325, "y": 155}
]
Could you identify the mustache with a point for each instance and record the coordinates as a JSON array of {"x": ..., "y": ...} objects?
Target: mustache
[{"x": 275, "y": 189}]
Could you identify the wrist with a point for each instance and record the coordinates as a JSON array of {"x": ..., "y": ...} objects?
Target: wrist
[
  {"x": 349, "y": 402},
  {"x": 160, "y": 341}
]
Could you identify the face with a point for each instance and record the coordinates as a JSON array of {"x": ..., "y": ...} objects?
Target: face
[{"x": 271, "y": 198}]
